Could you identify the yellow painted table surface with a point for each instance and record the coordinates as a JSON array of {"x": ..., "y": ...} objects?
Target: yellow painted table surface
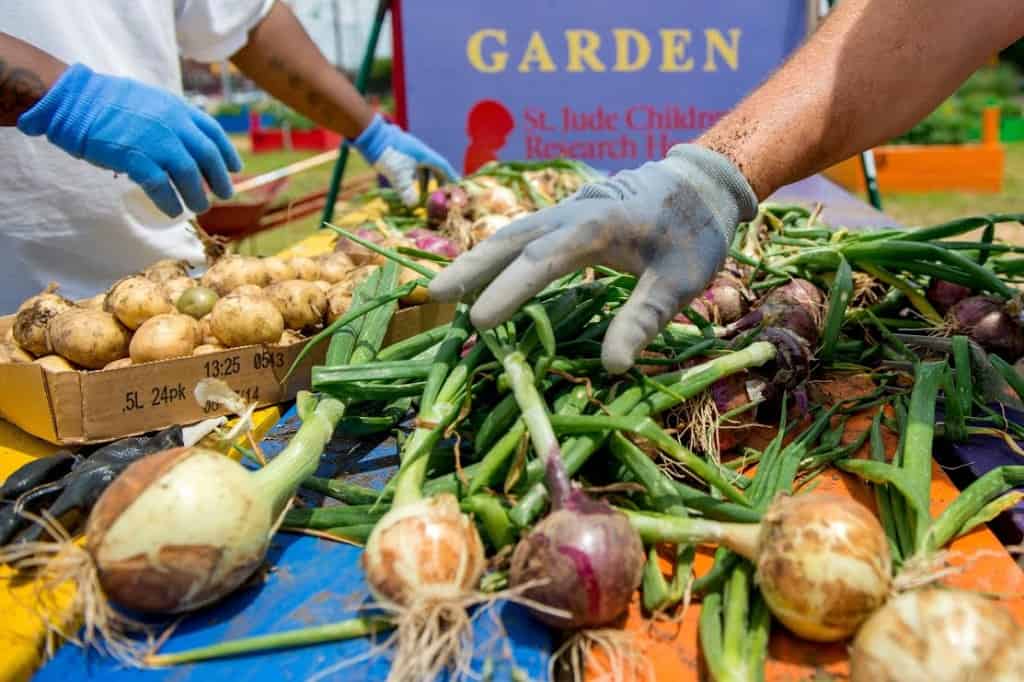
[{"x": 22, "y": 634}]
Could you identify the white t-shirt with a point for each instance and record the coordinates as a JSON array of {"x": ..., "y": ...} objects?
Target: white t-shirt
[{"x": 63, "y": 219}]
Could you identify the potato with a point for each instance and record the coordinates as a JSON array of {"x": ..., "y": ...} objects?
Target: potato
[
  {"x": 134, "y": 300},
  {"x": 419, "y": 295},
  {"x": 162, "y": 337},
  {"x": 174, "y": 288},
  {"x": 118, "y": 364},
  {"x": 166, "y": 270},
  {"x": 244, "y": 320},
  {"x": 208, "y": 348},
  {"x": 278, "y": 270},
  {"x": 305, "y": 268},
  {"x": 301, "y": 303},
  {"x": 55, "y": 363},
  {"x": 248, "y": 290},
  {"x": 94, "y": 303},
  {"x": 335, "y": 266},
  {"x": 339, "y": 300},
  {"x": 89, "y": 338},
  {"x": 11, "y": 352},
  {"x": 33, "y": 316},
  {"x": 231, "y": 272},
  {"x": 322, "y": 285},
  {"x": 289, "y": 337},
  {"x": 206, "y": 336}
]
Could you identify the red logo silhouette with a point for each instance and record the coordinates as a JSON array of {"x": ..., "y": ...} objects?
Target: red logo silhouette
[{"x": 487, "y": 126}]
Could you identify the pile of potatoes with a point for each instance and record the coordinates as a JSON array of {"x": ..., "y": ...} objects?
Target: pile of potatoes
[{"x": 164, "y": 313}]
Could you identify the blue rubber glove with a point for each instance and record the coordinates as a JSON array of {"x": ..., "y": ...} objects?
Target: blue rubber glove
[
  {"x": 397, "y": 155},
  {"x": 153, "y": 136}
]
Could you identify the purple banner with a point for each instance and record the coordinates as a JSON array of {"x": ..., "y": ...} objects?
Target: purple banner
[{"x": 610, "y": 83}]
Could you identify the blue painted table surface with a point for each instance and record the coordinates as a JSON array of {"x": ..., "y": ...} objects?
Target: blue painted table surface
[
  {"x": 316, "y": 581},
  {"x": 313, "y": 582}
]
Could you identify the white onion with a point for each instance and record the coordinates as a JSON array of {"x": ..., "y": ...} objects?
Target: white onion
[{"x": 938, "y": 635}]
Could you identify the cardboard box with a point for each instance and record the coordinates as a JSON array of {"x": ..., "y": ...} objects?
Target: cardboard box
[{"x": 75, "y": 408}]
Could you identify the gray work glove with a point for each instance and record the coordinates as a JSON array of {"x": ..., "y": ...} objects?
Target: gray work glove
[{"x": 669, "y": 222}]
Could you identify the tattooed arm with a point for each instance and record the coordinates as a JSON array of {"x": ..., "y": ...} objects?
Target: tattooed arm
[
  {"x": 26, "y": 73},
  {"x": 281, "y": 58}
]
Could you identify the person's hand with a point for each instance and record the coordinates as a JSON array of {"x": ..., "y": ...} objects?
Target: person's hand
[
  {"x": 397, "y": 155},
  {"x": 153, "y": 136},
  {"x": 669, "y": 223}
]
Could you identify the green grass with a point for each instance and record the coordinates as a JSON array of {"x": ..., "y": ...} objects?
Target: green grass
[
  {"x": 936, "y": 207},
  {"x": 304, "y": 183}
]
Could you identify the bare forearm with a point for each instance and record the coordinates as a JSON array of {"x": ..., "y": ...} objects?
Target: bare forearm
[
  {"x": 873, "y": 70},
  {"x": 282, "y": 59},
  {"x": 26, "y": 73}
]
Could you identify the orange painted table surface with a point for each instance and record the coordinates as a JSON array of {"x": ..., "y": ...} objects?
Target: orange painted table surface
[{"x": 672, "y": 648}]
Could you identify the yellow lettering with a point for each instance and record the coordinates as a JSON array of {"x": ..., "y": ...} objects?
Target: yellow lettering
[
  {"x": 536, "y": 51},
  {"x": 673, "y": 50},
  {"x": 625, "y": 38},
  {"x": 730, "y": 52},
  {"x": 474, "y": 51},
  {"x": 582, "y": 45}
]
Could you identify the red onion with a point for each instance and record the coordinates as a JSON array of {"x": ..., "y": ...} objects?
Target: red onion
[
  {"x": 726, "y": 297},
  {"x": 443, "y": 201},
  {"x": 432, "y": 242},
  {"x": 944, "y": 295},
  {"x": 795, "y": 306},
  {"x": 985, "y": 320},
  {"x": 586, "y": 558}
]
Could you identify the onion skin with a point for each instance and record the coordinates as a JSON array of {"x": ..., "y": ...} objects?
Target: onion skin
[
  {"x": 177, "y": 530},
  {"x": 428, "y": 551},
  {"x": 590, "y": 561},
  {"x": 944, "y": 295},
  {"x": 432, "y": 242},
  {"x": 938, "y": 635},
  {"x": 823, "y": 565},
  {"x": 446, "y": 200},
  {"x": 986, "y": 321}
]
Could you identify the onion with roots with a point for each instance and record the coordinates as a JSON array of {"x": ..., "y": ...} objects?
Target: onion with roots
[
  {"x": 334, "y": 267},
  {"x": 88, "y": 338},
  {"x": 165, "y": 270},
  {"x": 174, "y": 288},
  {"x": 231, "y": 272},
  {"x": 822, "y": 561},
  {"x": 986, "y": 321},
  {"x": 486, "y": 227},
  {"x": 302, "y": 304},
  {"x": 796, "y": 306},
  {"x": 938, "y": 635},
  {"x": 134, "y": 300},
  {"x": 427, "y": 550},
  {"x": 444, "y": 201},
  {"x": 725, "y": 299},
  {"x": 493, "y": 199},
  {"x": 246, "y": 320},
  {"x": 197, "y": 302},
  {"x": 305, "y": 268},
  {"x": 944, "y": 295},
  {"x": 359, "y": 254},
  {"x": 34, "y": 316},
  {"x": 278, "y": 270},
  {"x": 432, "y": 242},
  {"x": 164, "y": 337}
]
